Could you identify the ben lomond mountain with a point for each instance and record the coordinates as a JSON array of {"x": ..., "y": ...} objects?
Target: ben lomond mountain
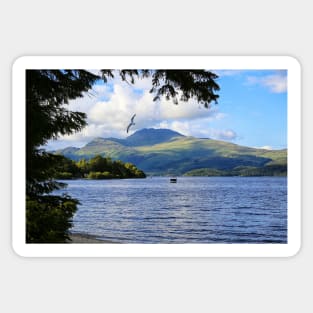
[
  {"x": 165, "y": 152},
  {"x": 148, "y": 137}
]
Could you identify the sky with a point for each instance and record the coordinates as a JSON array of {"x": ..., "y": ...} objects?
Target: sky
[{"x": 251, "y": 111}]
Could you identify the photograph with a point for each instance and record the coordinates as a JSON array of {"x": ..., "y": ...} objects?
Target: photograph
[{"x": 183, "y": 156}]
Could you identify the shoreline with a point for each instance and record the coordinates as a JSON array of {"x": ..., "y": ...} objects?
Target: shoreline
[{"x": 86, "y": 238}]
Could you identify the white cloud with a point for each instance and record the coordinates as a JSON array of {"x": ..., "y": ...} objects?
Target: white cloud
[
  {"x": 223, "y": 73},
  {"x": 227, "y": 134},
  {"x": 125, "y": 101},
  {"x": 198, "y": 128},
  {"x": 89, "y": 99},
  {"x": 95, "y": 72},
  {"x": 218, "y": 134},
  {"x": 265, "y": 147},
  {"x": 183, "y": 128},
  {"x": 109, "y": 108},
  {"x": 276, "y": 83}
]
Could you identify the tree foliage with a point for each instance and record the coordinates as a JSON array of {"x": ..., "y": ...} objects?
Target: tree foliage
[
  {"x": 96, "y": 168},
  {"x": 267, "y": 170},
  {"x": 48, "y": 92},
  {"x": 48, "y": 218},
  {"x": 189, "y": 84}
]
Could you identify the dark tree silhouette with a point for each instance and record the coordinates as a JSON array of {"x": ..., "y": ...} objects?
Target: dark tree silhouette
[{"x": 48, "y": 92}]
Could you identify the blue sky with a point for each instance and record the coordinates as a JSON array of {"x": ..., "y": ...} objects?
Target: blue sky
[{"x": 251, "y": 111}]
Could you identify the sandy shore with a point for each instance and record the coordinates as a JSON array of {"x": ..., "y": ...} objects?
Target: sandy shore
[{"x": 85, "y": 238}]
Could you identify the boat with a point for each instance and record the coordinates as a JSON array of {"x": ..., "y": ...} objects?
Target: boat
[{"x": 173, "y": 180}]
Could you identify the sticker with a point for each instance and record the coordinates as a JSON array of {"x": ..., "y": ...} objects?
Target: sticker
[{"x": 148, "y": 156}]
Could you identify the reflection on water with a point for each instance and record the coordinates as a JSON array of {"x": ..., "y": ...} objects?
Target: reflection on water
[{"x": 194, "y": 210}]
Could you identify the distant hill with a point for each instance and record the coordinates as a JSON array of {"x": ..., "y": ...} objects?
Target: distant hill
[{"x": 165, "y": 152}]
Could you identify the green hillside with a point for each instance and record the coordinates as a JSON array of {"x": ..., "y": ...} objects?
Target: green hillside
[
  {"x": 104, "y": 147},
  {"x": 181, "y": 155}
]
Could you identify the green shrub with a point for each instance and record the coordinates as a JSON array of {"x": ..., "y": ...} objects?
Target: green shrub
[{"x": 48, "y": 218}]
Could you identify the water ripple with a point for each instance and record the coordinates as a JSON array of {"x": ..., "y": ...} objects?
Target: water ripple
[{"x": 195, "y": 210}]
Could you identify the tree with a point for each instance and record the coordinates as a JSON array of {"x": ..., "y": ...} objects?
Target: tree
[
  {"x": 47, "y": 94},
  {"x": 98, "y": 164},
  {"x": 197, "y": 84},
  {"x": 48, "y": 218},
  {"x": 83, "y": 166}
]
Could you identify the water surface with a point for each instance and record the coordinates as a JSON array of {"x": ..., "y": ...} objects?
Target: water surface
[{"x": 194, "y": 210}]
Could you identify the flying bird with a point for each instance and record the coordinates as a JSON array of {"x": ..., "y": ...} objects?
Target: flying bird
[{"x": 131, "y": 123}]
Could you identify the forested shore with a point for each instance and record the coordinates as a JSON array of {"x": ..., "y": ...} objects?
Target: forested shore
[{"x": 96, "y": 168}]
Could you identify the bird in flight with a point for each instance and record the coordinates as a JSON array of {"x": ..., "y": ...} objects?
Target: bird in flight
[{"x": 131, "y": 123}]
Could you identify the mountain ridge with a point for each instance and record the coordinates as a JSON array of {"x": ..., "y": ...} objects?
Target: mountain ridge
[
  {"x": 148, "y": 136},
  {"x": 166, "y": 152}
]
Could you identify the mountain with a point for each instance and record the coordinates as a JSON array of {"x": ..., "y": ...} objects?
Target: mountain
[
  {"x": 148, "y": 137},
  {"x": 69, "y": 152},
  {"x": 165, "y": 152}
]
